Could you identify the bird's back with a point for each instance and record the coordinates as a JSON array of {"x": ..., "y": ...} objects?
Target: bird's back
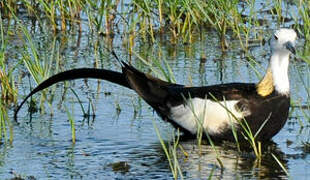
[{"x": 217, "y": 107}]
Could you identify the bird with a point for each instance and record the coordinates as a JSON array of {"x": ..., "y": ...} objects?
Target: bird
[{"x": 219, "y": 110}]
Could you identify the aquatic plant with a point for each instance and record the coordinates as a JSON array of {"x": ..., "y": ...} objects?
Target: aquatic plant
[
  {"x": 171, "y": 153},
  {"x": 137, "y": 23}
]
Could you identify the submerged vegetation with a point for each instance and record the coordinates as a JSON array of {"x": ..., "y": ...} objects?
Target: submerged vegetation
[{"x": 37, "y": 37}]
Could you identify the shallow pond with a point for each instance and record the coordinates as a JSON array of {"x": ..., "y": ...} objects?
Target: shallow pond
[{"x": 120, "y": 141}]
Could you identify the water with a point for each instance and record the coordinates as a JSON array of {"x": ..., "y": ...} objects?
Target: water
[{"x": 122, "y": 144}]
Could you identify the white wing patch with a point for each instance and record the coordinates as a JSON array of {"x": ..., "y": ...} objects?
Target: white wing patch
[{"x": 214, "y": 116}]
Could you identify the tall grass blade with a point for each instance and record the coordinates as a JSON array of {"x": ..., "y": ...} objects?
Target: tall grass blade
[{"x": 281, "y": 165}]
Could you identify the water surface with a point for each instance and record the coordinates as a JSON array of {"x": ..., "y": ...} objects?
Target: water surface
[{"x": 120, "y": 140}]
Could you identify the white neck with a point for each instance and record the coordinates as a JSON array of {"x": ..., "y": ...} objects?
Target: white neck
[{"x": 279, "y": 66}]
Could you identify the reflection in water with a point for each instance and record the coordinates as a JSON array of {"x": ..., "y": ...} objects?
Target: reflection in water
[
  {"x": 201, "y": 162},
  {"x": 150, "y": 162}
]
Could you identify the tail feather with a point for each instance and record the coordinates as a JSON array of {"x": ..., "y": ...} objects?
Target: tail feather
[
  {"x": 112, "y": 76},
  {"x": 151, "y": 89}
]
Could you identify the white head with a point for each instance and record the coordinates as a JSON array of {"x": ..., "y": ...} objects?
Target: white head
[
  {"x": 283, "y": 41},
  {"x": 282, "y": 45}
]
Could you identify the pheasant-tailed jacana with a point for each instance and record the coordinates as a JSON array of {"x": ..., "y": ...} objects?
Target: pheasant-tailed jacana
[{"x": 264, "y": 106}]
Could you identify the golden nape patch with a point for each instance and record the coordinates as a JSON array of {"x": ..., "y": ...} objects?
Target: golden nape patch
[{"x": 265, "y": 86}]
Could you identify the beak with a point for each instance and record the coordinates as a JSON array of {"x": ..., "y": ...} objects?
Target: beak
[{"x": 289, "y": 46}]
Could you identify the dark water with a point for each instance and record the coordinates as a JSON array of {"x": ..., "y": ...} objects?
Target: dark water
[{"x": 121, "y": 141}]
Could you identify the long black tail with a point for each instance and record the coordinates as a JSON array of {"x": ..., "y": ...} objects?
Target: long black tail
[{"x": 112, "y": 76}]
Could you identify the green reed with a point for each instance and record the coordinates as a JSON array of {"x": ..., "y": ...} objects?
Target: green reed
[
  {"x": 5, "y": 124},
  {"x": 39, "y": 63},
  {"x": 165, "y": 71},
  {"x": 170, "y": 151},
  {"x": 277, "y": 10},
  {"x": 146, "y": 19},
  {"x": 8, "y": 89},
  {"x": 281, "y": 165},
  {"x": 30, "y": 53},
  {"x": 302, "y": 24},
  {"x": 72, "y": 124},
  {"x": 80, "y": 102}
]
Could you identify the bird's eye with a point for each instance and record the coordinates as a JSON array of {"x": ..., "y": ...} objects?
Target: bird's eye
[{"x": 275, "y": 37}]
